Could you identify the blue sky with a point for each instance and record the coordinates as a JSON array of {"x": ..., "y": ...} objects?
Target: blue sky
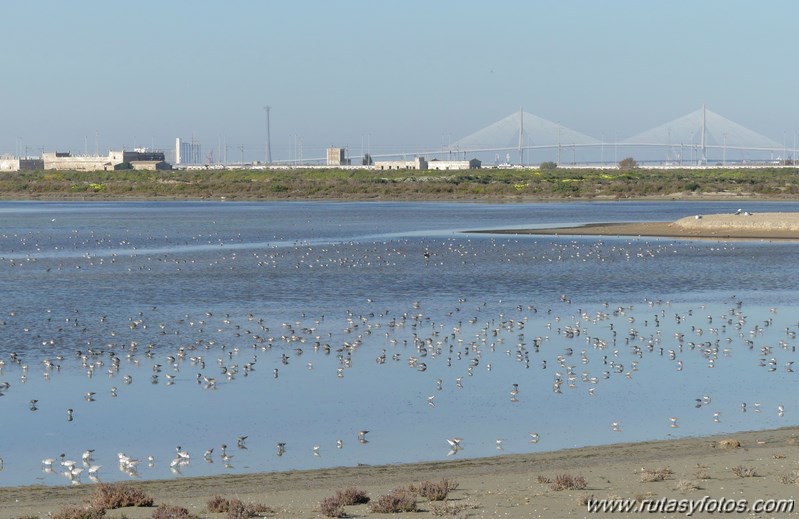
[{"x": 403, "y": 75}]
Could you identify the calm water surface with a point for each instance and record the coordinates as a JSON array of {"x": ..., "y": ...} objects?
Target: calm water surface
[{"x": 193, "y": 324}]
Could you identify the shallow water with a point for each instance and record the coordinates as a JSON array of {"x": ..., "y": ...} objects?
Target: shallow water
[{"x": 361, "y": 308}]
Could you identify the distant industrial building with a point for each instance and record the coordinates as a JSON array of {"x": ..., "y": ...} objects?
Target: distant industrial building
[
  {"x": 337, "y": 157},
  {"x": 417, "y": 163},
  {"x": 19, "y": 164},
  {"x": 137, "y": 159},
  {"x": 188, "y": 152},
  {"x": 454, "y": 164},
  {"x": 421, "y": 163}
]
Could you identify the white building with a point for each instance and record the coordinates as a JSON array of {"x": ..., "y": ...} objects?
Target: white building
[
  {"x": 8, "y": 163},
  {"x": 187, "y": 152},
  {"x": 337, "y": 157},
  {"x": 137, "y": 159},
  {"x": 454, "y": 164},
  {"x": 417, "y": 163}
]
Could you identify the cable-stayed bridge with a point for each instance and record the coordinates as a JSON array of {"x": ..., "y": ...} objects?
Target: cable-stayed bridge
[
  {"x": 521, "y": 131},
  {"x": 698, "y": 138}
]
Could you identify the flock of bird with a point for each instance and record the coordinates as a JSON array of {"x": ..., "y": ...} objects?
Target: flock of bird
[
  {"x": 71, "y": 468},
  {"x": 129, "y": 465},
  {"x": 562, "y": 343}
]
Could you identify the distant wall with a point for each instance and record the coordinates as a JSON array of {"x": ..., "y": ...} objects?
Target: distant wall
[
  {"x": 53, "y": 160},
  {"x": 9, "y": 164},
  {"x": 31, "y": 164},
  {"x": 114, "y": 160},
  {"x": 417, "y": 163},
  {"x": 454, "y": 164},
  {"x": 21, "y": 164},
  {"x": 150, "y": 165}
]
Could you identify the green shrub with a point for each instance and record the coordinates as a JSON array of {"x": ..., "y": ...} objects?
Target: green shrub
[{"x": 548, "y": 166}]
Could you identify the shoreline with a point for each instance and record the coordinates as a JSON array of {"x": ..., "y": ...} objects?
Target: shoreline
[
  {"x": 511, "y": 485},
  {"x": 9, "y": 196}
]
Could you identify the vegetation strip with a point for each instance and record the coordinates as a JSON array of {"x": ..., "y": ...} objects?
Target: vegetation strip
[{"x": 360, "y": 184}]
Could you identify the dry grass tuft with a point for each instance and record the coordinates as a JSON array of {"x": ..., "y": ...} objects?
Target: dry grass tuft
[
  {"x": 686, "y": 485},
  {"x": 789, "y": 479},
  {"x": 332, "y": 507},
  {"x": 397, "y": 501},
  {"x": 239, "y": 510},
  {"x": 217, "y": 504},
  {"x": 744, "y": 472},
  {"x": 352, "y": 496},
  {"x": 646, "y": 496},
  {"x": 544, "y": 480},
  {"x": 172, "y": 512},
  {"x": 452, "y": 508},
  {"x": 701, "y": 473},
  {"x": 111, "y": 497},
  {"x": 434, "y": 490},
  {"x": 77, "y": 512},
  {"x": 584, "y": 499},
  {"x": 259, "y": 510},
  {"x": 650, "y": 476},
  {"x": 236, "y": 509},
  {"x": 730, "y": 443},
  {"x": 568, "y": 482}
]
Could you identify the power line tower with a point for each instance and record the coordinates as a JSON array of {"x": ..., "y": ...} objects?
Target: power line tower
[
  {"x": 268, "y": 136},
  {"x": 703, "y": 158},
  {"x": 521, "y": 136}
]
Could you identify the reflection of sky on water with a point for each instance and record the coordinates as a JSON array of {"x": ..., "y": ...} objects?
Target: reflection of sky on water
[{"x": 473, "y": 291}]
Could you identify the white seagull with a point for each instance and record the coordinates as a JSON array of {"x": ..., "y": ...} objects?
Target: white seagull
[{"x": 455, "y": 443}]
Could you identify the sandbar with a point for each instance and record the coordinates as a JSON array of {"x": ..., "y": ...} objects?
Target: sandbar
[{"x": 743, "y": 226}]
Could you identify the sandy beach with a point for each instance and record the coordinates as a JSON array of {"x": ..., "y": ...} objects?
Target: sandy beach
[
  {"x": 758, "y": 226},
  {"x": 512, "y": 486}
]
